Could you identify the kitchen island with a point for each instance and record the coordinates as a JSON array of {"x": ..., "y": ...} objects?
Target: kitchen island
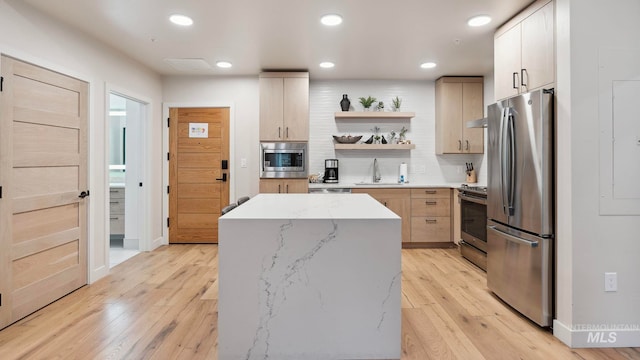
[{"x": 309, "y": 276}]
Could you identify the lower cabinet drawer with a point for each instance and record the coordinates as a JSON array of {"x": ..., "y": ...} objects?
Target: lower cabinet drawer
[
  {"x": 431, "y": 207},
  {"x": 430, "y": 229},
  {"x": 116, "y": 224}
]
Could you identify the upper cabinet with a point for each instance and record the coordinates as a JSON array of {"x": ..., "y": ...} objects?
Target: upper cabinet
[
  {"x": 524, "y": 51},
  {"x": 284, "y": 106},
  {"x": 458, "y": 100}
]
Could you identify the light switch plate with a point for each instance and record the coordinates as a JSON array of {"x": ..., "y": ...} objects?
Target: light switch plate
[
  {"x": 610, "y": 281},
  {"x": 243, "y": 163}
]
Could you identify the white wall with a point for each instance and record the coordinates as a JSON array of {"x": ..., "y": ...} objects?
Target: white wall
[
  {"x": 242, "y": 94},
  {"x": 29, "y": 36},
  {"x": 591, "y": 244},
  {"x": 356, "y": 165}
]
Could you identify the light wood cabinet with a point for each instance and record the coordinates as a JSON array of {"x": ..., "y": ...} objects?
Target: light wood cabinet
[
  {"x": 284, "y": 106},
  {"x": 284, "y": 186},
  {"x": 524, "y": 51},
  {"x": 431, "y": 215},
  {"x": 458, "y": 100},
  {"x": 398, "y": 201},
  {"x": 116, "y": 211}
]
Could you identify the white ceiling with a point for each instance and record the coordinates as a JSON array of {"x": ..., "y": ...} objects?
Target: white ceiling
[{"x": 379, "y": 39}]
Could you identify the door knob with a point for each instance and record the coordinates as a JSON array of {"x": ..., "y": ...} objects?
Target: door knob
[
  {"x": 83, "y": 194},
  {"x": 223, "y": 178}
]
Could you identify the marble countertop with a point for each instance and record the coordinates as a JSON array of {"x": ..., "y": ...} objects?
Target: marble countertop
[{"x": 311, "y": 206}]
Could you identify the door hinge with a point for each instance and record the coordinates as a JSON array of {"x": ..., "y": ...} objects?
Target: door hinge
[
  {"x": 1, "y": 83},
  {"x": 140, "y": 184},
  {"x": 0, "y": 299},
  {"x": 167, "y": 222},
  {"x": 168, "y": 122},
  {"x": 0, "y": 192},
  {"x": 168, "y": 156},
  {"x": 167, "y": 189}
]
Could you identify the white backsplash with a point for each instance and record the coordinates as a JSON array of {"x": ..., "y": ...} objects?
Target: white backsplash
[{"x": 357, "y": 165}]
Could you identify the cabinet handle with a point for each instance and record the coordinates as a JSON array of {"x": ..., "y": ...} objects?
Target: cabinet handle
[
  {"x": 385, "y": 203},
  {"x": 114, "y": 202},
  {"x": 279, "y": 132},
  {"x": 522, "y": 71},
  {"x": 513, "y": 78},
  {"x": 467, "y": 141},
  {"x": 429, "y": 191},
  {"x": 431, "y": 202},
  {"x": 287, "y": 188},
  {"x": 287, "y": 132},
  {"x": 113, "y": 218},
  {"x": 279, "y": 189},
  {"x": 459, "y": 144},
  {"x": 430, "y": 221}
]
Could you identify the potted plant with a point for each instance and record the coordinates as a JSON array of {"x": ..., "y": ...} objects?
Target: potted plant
[
  {"x": 402, "y": 135},
  {"x": 392, "y": 137},
  {"x": 396, "y": 102},
  {"x": 367, "y": 102},
  {"x": 380, "y": 106}
]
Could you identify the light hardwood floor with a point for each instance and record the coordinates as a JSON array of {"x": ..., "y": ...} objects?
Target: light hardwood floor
[{"x": 163, "y": 305}]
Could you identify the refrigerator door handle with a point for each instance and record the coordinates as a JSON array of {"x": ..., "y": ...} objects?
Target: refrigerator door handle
[
  {"x": 511, "y": 163},
  {"x": 503, "y": 159},
  {"x": 514, "y": 239}
]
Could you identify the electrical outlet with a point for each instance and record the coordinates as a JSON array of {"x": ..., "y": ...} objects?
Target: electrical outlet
[
  {"x": 610, "y": 281},
  {"x": 243, "y": 162}
]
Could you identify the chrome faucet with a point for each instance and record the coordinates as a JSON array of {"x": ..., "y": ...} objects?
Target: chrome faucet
[{"x": 376, "y": 171}]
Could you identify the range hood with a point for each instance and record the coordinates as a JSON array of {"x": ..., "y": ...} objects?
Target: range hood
[{"x": 478, "y": 123}]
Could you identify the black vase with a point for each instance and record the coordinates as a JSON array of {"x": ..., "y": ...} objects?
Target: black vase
[{"x": 345, "y": 103}]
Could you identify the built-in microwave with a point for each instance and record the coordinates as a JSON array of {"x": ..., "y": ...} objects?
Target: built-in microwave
[{"x": 283, "y": 160}]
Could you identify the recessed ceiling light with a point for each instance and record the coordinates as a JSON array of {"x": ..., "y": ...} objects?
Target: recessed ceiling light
[
  {"x": 479, "y": 20},
  {"x": 428, "y": 65},
  {"x": 224, "y": 64},
  {"x": 181, "y": 20},
  {"x": 327, "y": 65},
  {"x": 331, "y": 20}
]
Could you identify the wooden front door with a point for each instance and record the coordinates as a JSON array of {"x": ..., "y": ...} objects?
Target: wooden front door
[
  {"x": 43, "y": 170},
  {"x": 198, "y": 184}
]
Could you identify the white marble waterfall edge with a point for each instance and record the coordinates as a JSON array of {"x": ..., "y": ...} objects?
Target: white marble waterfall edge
[{"x": 309, "y": 288}]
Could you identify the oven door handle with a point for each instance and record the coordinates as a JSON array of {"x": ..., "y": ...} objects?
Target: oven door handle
[{"x": 473, "y": 199}]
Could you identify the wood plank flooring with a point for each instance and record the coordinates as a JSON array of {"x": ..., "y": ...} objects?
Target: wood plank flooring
[{"x": 163, "y": 305}]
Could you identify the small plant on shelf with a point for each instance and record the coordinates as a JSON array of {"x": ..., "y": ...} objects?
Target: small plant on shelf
[
  {"x": 380, "y": 106},
  {"x": 402, "y": 136},
  {"x": 367, "y": 102},
  {"x": 396, "y": 102},
  {"x": 392, "y": 137}
]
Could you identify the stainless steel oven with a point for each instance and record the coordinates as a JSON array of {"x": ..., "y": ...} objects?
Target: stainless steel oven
[
  {"x": 283, "y": 160},
  {"x": 473, "y": 224}
]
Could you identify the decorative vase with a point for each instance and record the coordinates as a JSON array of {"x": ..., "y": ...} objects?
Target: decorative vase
[{"x": 345, "y": 103}]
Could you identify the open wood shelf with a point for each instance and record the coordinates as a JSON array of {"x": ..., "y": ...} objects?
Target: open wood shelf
[
  {"x": 374, "y": 115},
  {"x": 374, "y": 146}
]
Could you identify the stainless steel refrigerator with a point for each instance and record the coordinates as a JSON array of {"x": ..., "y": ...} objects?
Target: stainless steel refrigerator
[{"x": 520, "y": 203}]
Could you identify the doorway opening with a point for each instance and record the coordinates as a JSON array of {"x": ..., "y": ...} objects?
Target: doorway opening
[{"x": 126, "y": 154}]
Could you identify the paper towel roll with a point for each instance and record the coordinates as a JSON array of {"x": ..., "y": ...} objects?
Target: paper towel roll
[{"x": 402, "y": 176}]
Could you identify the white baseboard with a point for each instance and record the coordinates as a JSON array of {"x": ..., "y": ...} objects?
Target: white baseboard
[
  {"x": 97, "y": 274},
  {"x": 157, "y": 243},
  {"x": 597, "y": 335}
]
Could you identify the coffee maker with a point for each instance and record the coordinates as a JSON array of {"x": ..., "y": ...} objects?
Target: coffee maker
[{"x": 330, "y": 171}]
